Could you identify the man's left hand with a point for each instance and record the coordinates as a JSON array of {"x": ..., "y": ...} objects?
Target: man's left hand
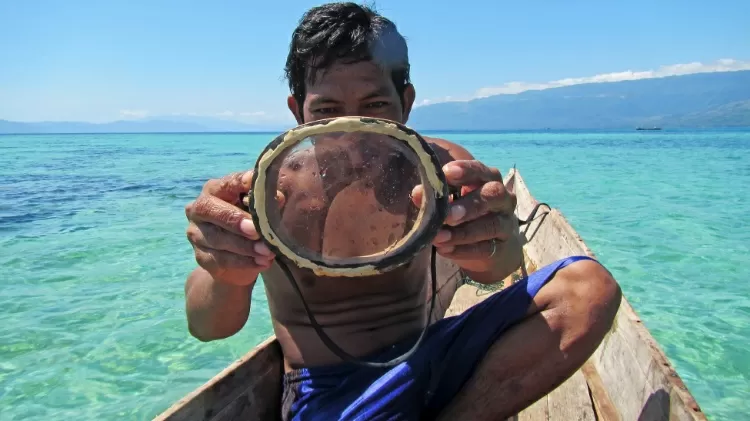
[{"x": 480, "y": 232}]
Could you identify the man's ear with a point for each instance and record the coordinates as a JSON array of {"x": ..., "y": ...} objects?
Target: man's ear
[
  {"x": 295, "y": 108},
  {"x": 408, "y": 101}
]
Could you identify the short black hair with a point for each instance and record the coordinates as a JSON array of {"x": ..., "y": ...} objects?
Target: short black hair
[{"x": 348, "y": 32}]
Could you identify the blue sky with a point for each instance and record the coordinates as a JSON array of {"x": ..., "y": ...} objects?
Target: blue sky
[{"x": 107, "y": 60}]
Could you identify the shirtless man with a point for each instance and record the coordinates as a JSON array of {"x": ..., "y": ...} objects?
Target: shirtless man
[{"x": 488, "y": 363}]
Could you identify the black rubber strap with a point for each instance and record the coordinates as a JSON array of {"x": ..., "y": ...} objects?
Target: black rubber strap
[
  {"x": 533, "y": 214},
  {"x": 345, "y": 355},
  {"x": 433, "y": 272}
]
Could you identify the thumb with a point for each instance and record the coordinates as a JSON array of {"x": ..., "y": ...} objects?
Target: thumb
[
  {"x": 230, "y": 187},
  {"x": 418, "y": 192},
  {"x": 280, "y": 199},
  {"x": 416, "y": 195}
]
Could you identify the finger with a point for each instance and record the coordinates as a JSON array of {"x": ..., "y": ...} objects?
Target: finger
[
  {"x": 468, "y": 189},
  {"x": 417, "y": 193},
  {"x": 225, "y": 265},
  {"x": 475, "y": 251},
  {"x": 280, "y": 199},
  {"x": 208, "y": 236},
  {"x": 492, "y": 197},
  {"x": 470, "y": 173},
  {"x": 484, "y": 228},
  {"x": 218, "y": 212},
  {"x": 230, "y": 187}
]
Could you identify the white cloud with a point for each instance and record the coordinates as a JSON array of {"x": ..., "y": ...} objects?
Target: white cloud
[
  {"x": 435, "y": 101},
  {"x": 240, "y": 115},
  {"x": 723, "y": 65},
  {"x": 252, "y": 114},
  {"x": 230, "y": 115},
  {"x": 133, "y": 113}
]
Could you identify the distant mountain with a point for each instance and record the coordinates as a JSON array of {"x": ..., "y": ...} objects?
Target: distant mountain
[
  {"x": 697, "y": 100},
  {"x": 690, "y": 101},
  {"x": 224, "y": 125},
  {"x": 170, "y": 124}
]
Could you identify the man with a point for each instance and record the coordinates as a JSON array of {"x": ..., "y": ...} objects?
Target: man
[{"x": 488, "y": 363}]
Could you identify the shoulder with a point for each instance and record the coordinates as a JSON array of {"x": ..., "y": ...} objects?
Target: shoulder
[{"x": 448, "y": 151}]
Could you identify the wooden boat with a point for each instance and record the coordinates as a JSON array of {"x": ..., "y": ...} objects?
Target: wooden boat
[{"x": 628, "y": 377}]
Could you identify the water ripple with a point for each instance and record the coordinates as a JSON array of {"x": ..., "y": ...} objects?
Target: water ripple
[{"x": 94, "y": 257}]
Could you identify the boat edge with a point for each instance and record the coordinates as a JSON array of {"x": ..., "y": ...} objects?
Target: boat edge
[{"x": 628, "y": 311}]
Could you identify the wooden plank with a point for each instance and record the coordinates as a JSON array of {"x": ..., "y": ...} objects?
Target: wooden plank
[
  {"x": 258, "y": 402},
  {"x": 676, "y": 402},
  {"x": 447, "y": 286},
  {"x": 538, "y": 411},
  {"x": 633, "y": 369},
  {"x": 630, "y": 352},
  {"x": 621, "y": 374},
  {"x": 466, "y": 296},
  {"x": 603, "y": 406},
  {"x": 571, "y": 401},
  {"x": 628, "y": 377},
  {"x": 250, "y": 386}
]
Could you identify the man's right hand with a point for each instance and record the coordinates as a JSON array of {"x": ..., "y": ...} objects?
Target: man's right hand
[{"x": 223, "y": 236}]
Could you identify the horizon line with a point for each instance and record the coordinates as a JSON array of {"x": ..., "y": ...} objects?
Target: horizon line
[{"x": 550, "y": 129}]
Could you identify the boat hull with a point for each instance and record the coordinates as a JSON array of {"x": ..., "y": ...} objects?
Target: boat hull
[{"x": 627, "y": 378}]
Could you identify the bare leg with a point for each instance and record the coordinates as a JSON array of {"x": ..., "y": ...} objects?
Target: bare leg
[{"x": 565, "y": 323}]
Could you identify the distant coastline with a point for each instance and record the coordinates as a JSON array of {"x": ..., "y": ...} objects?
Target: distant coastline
[
  {"x": 271, "y": 132},
  {"x": 704, "y": 100},
  {"x": 697, "y": 101},
  {"x": 423, "y": 132},
  {"x": 147, "y": 126}
]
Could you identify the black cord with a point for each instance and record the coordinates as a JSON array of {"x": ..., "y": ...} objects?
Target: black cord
[
  {"x": 533, "y": 213},
  {"x": 433, "y": 272},
  {"x": 345, "y": 355}
]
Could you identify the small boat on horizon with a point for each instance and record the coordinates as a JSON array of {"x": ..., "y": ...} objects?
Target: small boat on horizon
[{"x": 648, "y": 128}]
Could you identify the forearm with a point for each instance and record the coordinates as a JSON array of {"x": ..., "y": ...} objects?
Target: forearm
[{"x": 215, "y": 310}]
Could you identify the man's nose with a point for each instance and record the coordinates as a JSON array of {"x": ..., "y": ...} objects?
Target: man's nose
[
  {"x": 352, "y": 109},
  {"x": 357, "y": 109}
]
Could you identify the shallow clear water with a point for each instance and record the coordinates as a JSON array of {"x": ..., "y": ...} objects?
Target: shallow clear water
[{"x": 94, "y": 254}]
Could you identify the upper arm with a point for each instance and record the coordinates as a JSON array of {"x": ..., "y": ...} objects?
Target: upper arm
[{"x": 448, "y": 151}]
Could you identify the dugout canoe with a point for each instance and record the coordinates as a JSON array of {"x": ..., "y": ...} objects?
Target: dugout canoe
[{"x": 627, "y": 378}]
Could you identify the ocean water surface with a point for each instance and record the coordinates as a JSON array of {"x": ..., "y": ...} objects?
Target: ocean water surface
[{"x": 94, "y": 257}]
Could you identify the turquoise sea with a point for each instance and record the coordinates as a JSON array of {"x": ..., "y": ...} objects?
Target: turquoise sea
[{"x": 94, "y": 256}]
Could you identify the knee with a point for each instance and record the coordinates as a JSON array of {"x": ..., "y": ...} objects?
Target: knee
[
  {"x": 593, "y": 281},
  {"x": 590, "y": 296}
]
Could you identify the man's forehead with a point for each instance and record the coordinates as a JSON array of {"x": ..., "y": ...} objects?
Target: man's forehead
[{"x": 363, "y": 75}]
